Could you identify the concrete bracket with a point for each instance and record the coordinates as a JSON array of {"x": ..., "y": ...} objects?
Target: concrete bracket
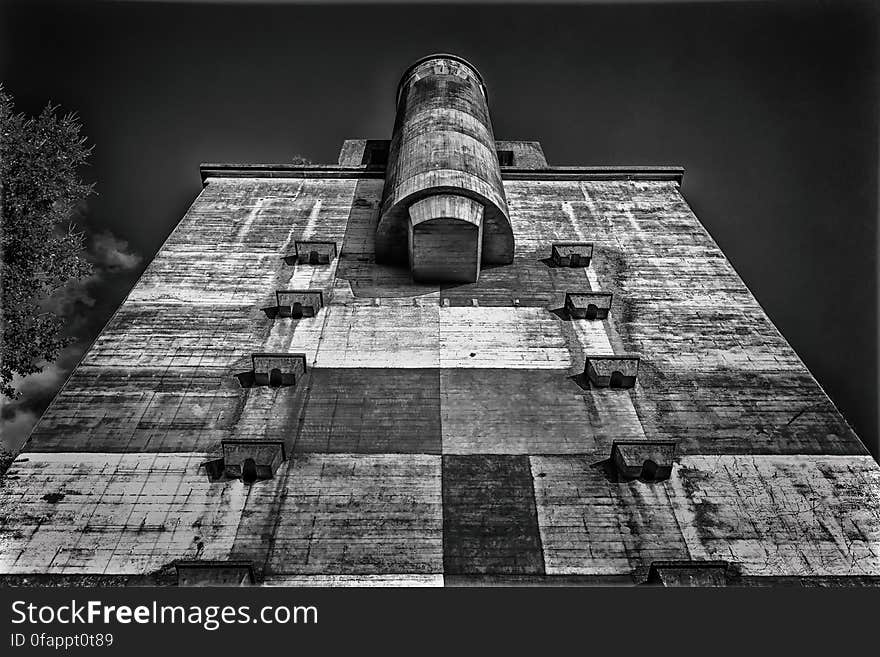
[
  {"x": 688, "y": 573},
  {"x": 310, "y": 252},
  {"x": 612, "y": 371},
  {"x": 278, "y": 369},
  {"x": 214, "y": 573},
  {"x": 299, "y": 303},
  {"x": 571, "y": 254},
  {"x": 252, "y": 460},
  {"x": 647, "y": 460},
  {"x": 588, "y": 305}
]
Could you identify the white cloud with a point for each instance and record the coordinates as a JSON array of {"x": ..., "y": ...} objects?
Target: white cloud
[{"x": 111, "y": 253}]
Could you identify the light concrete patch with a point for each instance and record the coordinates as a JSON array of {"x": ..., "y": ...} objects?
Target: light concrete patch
[{"x": 100, "y": 513}]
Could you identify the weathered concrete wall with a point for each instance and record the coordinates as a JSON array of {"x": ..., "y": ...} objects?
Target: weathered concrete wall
[
  {"x": 427, "y": 412},
  {"x": 770, "y": 515},
  {"x": 524, "y": 154}
]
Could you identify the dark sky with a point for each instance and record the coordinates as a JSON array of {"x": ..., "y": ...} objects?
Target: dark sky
[{"x": 771, "y": 107}]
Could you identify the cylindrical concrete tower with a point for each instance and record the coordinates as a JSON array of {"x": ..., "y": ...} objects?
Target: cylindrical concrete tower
[{"x": 443, "y": 208}]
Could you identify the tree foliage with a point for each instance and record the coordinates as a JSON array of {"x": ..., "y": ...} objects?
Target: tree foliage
[
  {"x": 6, "y": 459},
  {"x": 42, "y": 250}
]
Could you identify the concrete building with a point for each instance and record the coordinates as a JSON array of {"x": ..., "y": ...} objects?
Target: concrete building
[{"x": 441, "y": 360}]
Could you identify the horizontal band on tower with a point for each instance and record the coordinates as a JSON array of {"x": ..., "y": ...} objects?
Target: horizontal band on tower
[{"x": 441, "y": 55}]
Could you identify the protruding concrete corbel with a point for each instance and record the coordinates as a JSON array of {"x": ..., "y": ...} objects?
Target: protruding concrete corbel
[
  {"x": 310, "y": 252},
  {"x": 689, "y": 573},
  {"x": 648, "y": 460},
  {"x": 612, "y": 371},
  {"x": 299, "y": 303},
  {"x": 252, "y": 460},
  {"x": 571, "y": 254},
  {"x": 198, "y": 572},
  {"x": 278, "y": 369},
  {"x": 588, "y": 305}
]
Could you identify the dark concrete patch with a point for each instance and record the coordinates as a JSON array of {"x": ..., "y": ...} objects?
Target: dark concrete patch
[
  {"x": 369, "y": 279},
  {"x": 490, "y": 525},
  {"x": 357, "y": 260},
  {"x": 371, "y": 410},
  {"x": 526, "y": 282},
  {"x": 795, "y": 418},
  {"x": 525, "y": 411}
]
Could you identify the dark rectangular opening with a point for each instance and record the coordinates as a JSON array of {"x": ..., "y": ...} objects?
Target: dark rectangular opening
[
  {"x": 505, "y": 158},
  {"x": 376, "y": 155}
]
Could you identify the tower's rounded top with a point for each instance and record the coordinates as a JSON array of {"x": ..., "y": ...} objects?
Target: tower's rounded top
[{"x": 442, "y": 55}]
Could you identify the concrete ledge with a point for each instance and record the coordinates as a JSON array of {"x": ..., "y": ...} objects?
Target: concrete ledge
[
  {"x": 237, "y": 170},
  {"x": 670, "y": 173},
  {"x": 252, "y": 460},
  {"x": 289, "y": 368},
  {"x": 688, "y": 573},
  {"x": 214, "y": 573},
  {"x": 650, "y": 460},
  {"x": 168, "y": 577},
  {"x": 588, "y": 305},
  {"x": 571, "y": 254},
  {"x": 612, "y": 371},
  {"x": 314, "y": 252},
  {"x": 299, "y": 303}
]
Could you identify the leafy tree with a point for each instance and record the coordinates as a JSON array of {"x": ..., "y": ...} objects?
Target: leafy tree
[
  {"x": 299, "y": 159},
  {"x": 41, "y": 250},
  {"x": 6, "y": 459}
]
